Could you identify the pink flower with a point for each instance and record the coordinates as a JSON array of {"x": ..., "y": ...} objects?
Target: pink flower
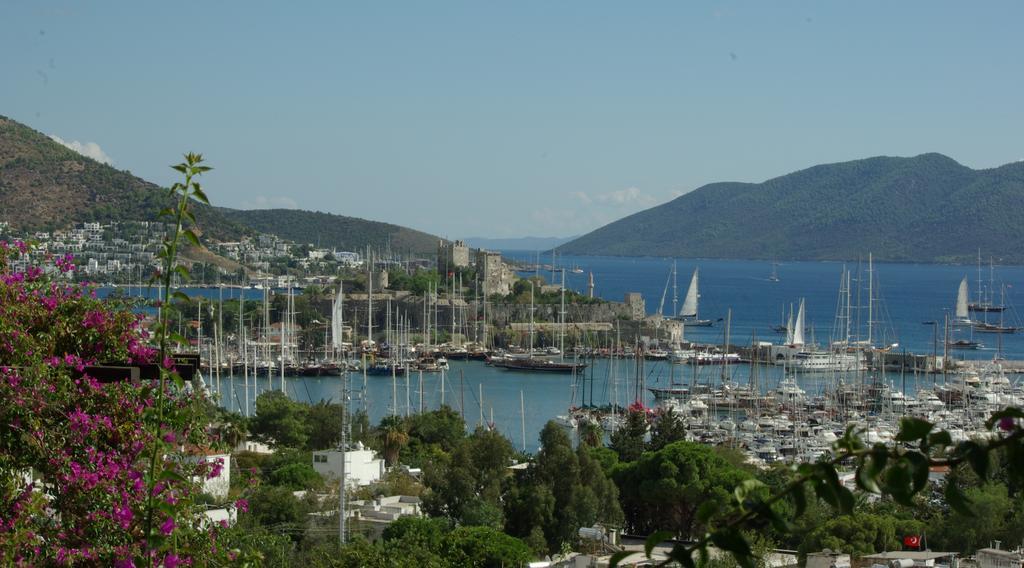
[
  {"x": 242, "y": 505},
  {"x": 170, "y": 437},
  {"x": 124, "y": 563},
  {"x": 218, "y": 466},
  {"x": 1007, "y": 423},
  {"x": 123, "y": 516},
  {"x": 168, "y": 526},
  {"x": 171, "y": 561}
]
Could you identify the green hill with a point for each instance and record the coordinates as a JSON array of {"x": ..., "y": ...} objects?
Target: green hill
[
  {"x": 927, "y": 208},
  {"x": 44, "y": 186},
  {"x": 334, "y": 231}
]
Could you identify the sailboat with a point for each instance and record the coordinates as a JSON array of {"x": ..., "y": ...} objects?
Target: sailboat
[
  {"x": 774, "y": 276},
  {"x": 810, "y": 359},
  {"x": 689, "y": 313},
  {"x": 962, "y": 316},
  {"x": 986, "y": 327}
]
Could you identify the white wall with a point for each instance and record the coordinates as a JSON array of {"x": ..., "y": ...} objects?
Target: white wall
[{"x": 361, "y": 466}]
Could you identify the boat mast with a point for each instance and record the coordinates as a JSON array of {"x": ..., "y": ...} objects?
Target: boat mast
[
  {"x": 675, "y": 296},
  {"x": 531, "y": 319},
  {"x": 871, "y": 297},
  {"x": 561, "y": 323}
]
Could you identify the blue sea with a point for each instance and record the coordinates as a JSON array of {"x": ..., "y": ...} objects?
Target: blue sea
[{"x": 909, "y": 294}]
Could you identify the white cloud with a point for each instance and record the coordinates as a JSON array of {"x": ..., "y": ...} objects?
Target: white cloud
[
  {"x": 87, "y": 149},
  {"x": 272, "y": 202},
  {"x": 582, "y": 196},
  {"x": 630, "y": 197}
]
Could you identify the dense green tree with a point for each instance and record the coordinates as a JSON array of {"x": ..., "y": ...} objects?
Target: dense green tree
[
  {"x": 997, "y": 516},
  {"x": 277, "y": 509},
  {"x": 668, "y": 427},
  {"x": 564, "y": 490},
  {"x": 859, "y": 534},
  {"x": 663, "y": 490},
  {"x": 323, "y": 421},
  {"x": 443, "y": 427},
  {"x": 279, "y": 420},
  {"x": 472, "y": 474},
  {"x": 485, "y": 547},
  {"x": 628, "y": 440},
  {"x": 296, "y": 476},
  {"x": 432, "y": 434},
  {"x": 423, "y": 531}
]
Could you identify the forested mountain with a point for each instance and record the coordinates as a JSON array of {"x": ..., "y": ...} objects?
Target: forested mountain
[
  {"x": 330, "y": 231},
  {"x": 927, "y": 208},
  {"x": 44, "y": 186}
]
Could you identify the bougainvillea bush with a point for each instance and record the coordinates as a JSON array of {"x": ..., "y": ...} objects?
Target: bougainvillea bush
[{"x": 74, "y": 452}]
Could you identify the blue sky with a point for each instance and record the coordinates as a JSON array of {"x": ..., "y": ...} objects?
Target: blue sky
[{"x": 500, "y": 119}]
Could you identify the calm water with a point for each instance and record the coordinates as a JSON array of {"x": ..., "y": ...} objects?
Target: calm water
[{"x": 910, "y": 294}]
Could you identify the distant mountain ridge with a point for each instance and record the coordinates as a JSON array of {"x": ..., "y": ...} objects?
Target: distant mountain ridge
[
  {"x": 927, "y": 208},
  {"x": 517, "y": 243},
  {"x": 44, "y": 185}
]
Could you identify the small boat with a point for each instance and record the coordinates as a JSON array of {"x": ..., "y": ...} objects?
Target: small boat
[
  {"x": 964, "y": 344},
  {"x": 535, "y": 364},
  {"x": 774, "y": 276},
  {"x": 994, "y": 328}
]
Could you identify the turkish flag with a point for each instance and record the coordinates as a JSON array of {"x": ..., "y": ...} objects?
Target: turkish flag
[{"x": 912, "y": 541}]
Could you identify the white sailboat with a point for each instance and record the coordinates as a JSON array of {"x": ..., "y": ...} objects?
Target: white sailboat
[
  {"x": 690, "y": 314},
  {"x": 338, "y": 324},
  {"x": 811, "y": 359},
  {"x": 962, "y": 314}
]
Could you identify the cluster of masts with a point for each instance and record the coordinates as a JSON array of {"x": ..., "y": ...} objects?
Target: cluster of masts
[{"x": 785, "y": 423}]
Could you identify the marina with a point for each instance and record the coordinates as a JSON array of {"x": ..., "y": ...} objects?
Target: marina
[{"x": 751, "y": 394}]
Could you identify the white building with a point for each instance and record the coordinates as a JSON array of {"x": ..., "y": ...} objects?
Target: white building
[
  {"x": 372, "y": 517},
  {"x": 362, "y": 467},
  {"x": 997, "y": 558},
  {"x": 216, "y": 486}
]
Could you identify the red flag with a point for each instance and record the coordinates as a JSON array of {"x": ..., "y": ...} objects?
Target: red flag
[{"x": 913, "y": 541}]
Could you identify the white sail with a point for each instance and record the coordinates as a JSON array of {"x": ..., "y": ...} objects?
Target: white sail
[
  {"x": 798, "y": 329},
  {"x": 961, "y": 301},
  {"x": 337, "y": 335},
  {"x": 689, "y": 309},
  {"x": 789, "y": 327}
]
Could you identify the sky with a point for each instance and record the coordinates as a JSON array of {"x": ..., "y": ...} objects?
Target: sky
[{"x": 506, "y": 119}]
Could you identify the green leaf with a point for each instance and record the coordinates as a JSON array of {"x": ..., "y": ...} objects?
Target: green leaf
[
  {"x": 745, "y": 488},
  {"x": 171, "y": 475},
  {"x": 976, "y": 455},
  {"x": 800, "y": 499},
  {"x": 913, "y": 429},
  {"x": 180, "y": 168},
  {"x": 181, "y": 296},
  {"x": 957, "y": 500},
  {"x": 940, "y": 438},
  {"x": 732, "y": 541},
  {"x": 1009, "y": 412},
  {"x": 191, "y": 236},
  {"x": 682, "y": 555},
  {"x": 846, "y": 500},
  {"x": 707, "y": 510},
  {"x": 613, "y": 562},
  {"x": 918, "y": 464},
  {"x": 200, "y": 196},
  {"x": 655, "y": 539}
]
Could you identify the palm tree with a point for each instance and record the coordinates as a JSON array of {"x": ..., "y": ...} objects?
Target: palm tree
[
  {"x": 591, "y": 433},
  {"x": 393, "y": 438}
]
